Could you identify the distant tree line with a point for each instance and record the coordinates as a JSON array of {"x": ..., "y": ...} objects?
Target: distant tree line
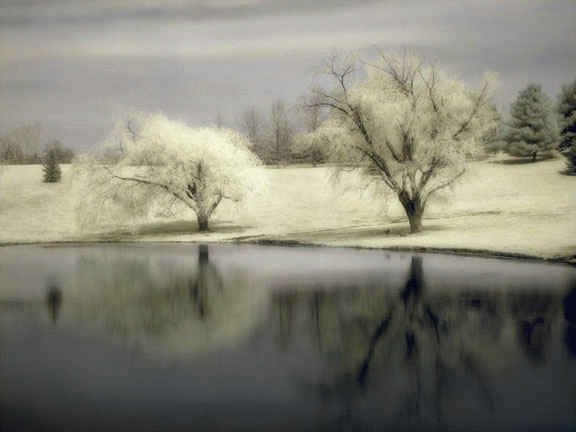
[
  {"x": 283, "y": 134},
  {"x": 22, "y": 145},
  {"x": 277, "y": 133},
  {"x": 537, "y": 126}
]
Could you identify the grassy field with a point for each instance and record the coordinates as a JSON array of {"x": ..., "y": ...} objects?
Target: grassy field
[{"x": 499, "y": 207}]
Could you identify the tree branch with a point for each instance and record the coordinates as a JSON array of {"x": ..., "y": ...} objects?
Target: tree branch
[
  {"x": 480, "y": 102},
  {"x": 447, "y": 183},
  {"x": 192, "y": 204}
]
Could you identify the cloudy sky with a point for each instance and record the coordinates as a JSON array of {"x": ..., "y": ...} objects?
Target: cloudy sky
[{"x": 70, "y": 64}]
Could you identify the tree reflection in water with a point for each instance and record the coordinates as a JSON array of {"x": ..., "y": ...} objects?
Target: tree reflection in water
[
  {"x": 54, "y": 298},
  {"x": 169, "y": 308},
  {"x": 569, "y": 309},
  {"x": 413, "y": 358},
  {"x": 533, "y": 313},
  {"x": 206, "y": 283}
]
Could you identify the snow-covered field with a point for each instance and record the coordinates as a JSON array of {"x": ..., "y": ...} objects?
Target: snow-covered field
[{"x": 499, "y": 206}]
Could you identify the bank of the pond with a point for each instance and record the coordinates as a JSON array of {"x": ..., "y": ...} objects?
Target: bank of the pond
[
  {"x": 486, "y": 253},
  {"x": 504, "y": 209}
]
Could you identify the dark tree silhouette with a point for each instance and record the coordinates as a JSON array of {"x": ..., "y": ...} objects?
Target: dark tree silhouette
[{"x": 54, "y": 299}]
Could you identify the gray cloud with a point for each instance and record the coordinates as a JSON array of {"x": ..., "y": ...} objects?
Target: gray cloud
[{"x": 69, "y": 64}]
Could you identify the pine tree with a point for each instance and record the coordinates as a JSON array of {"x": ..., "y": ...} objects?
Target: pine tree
[
  {"x": 533, "y": 127},
  {"x": 51, "y": 168},
  {"x": 571, "y": 161},
  {"x": 566, "y": 109}
]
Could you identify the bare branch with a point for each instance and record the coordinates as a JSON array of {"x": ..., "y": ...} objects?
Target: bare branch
[
  {"x": 479, "y": 103},
  {"x": 447, "y": 183}
]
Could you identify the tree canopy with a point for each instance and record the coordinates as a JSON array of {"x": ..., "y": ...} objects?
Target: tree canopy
[
  {"x": 153, "y": 164},
  {"x": 405, "y": 123}
]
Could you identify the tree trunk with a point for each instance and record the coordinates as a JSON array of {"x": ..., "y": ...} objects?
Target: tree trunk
[
  {"x": 202, "y": 222},
  {"x": 414, "y": 209},
  {"x": 534, "y": 157}
]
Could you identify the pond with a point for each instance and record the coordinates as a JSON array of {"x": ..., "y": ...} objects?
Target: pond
[{"x": 186, "y": 337}]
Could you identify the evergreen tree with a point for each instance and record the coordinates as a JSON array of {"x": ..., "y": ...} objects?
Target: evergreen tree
[
  {"x": 571, "y": 160},
  {"x": 566, "y": 109},
  {"x": 51, "y": 168},
  {"x": 533, "y": 127}
]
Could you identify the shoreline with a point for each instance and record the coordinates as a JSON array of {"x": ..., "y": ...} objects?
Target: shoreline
[{"x": 264, "y": 240}]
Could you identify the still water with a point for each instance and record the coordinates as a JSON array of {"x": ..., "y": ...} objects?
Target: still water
[{"x": 184, "y": 337}]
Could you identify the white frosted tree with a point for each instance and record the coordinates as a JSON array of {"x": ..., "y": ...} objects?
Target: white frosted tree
[
  {"x": 154, "y": 164},
  {"x": 405, "y": 123}
]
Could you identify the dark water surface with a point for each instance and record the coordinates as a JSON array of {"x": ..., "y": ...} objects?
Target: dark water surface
[{"x": 184, "y": 337}]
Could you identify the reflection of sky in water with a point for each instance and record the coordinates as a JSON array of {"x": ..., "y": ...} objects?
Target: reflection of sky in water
[
  {"x": 168, "y": 336},
  {"x": 281, "y": 265}
]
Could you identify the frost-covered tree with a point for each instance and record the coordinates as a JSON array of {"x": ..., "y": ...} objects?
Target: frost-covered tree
[
  {"x": 566, "y": 109},
  {"x": 152, "y": 163},
  {"x": 533, "y": 126},
  {"x": 51, "y": 168},
  {"x": 404, "y": 123}
]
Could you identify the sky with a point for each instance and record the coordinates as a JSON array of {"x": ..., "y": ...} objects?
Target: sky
[{"x": 72, "y": 64}]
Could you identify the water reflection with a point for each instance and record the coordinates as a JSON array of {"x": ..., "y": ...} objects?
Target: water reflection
[
  {"x": 569, "y": 308},
  {"x": 168, "y": 309},
  {"x": 54, "y": 298},
  {"x": 194, "y": 338},
  {"x": 533, "y": 314},
  {"x": 207, "y": 281},
  {"x": 424, "y": 356}
]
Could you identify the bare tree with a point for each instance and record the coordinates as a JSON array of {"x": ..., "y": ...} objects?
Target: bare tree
[
  {"x": 20, "y": 145},
  {"x": 252, "y": 124},
  {"x": 404, "y": 123},
  {"x": 10, "y": 152},
  {"x": 280, "y": 132},
  {"x": 27, "y": 138},
  {"x": 306, "y": 143}
]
